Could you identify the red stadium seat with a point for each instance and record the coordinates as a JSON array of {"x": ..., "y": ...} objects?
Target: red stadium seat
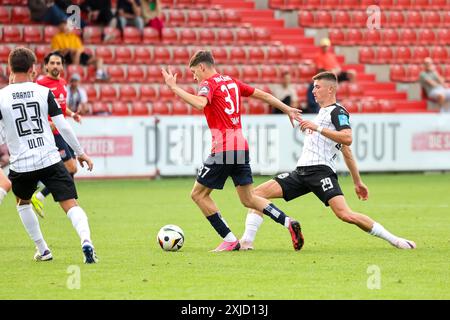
[
  {"x": 386, "y": 106},
  {"x": 100, "y": 108},
  {"x": 323, "y": 19},
  {"x": 275, "y": 54},
  {"x": 349, "y": 4},
  {"x": 225, "y": 36},
  {"x": 105, "y": 53},
  {"x": 142, "y": 55},
  {"x": 419, "y": 54},
  {"x": 154, "y": 73},
  {"x": 148, "y": 93},
  {"x": 342, "y": 19},
  {"x": 269, "y": 74},
  {"x": 414, "y": 71},
  {"x": 180, "y": 55},
  {"x": 437, "y": 4},
  {"x": 439, "y": 54},
  {"x": 124, "y": 55},
  {"x": 414, "y": 19},
  {"x": 11, "y": 34},
  {"x": 396, "y": 18},
  {"x": 354, "y": 37},
  {"x": 366, "y": 55},
  {"x": 443, "y": 36},
  {"x": 305, "y": 19},
  {"x": 292, "y": 54},
  {"x": 127, "y": 93},
  {"x": 370, "y": 106},
  {"x": 372, "y": 37},
  {"x": 4, "y": 15},
  {"x": 426, "y": 36},
  {"x": 207, "y": 36},
  {"x": 20, "y": 15},
  {"x": 188, "y": 36},
  {"x": 403, "y": 4},
  {"x": 421, "y": 4},
  {"x": 139, "y": 108},
  {"x": 231, "y": 71},
  {"x": 359, "y": 18},
  {"x": 307, "y": 72},
  {"x": 135, "y": 74},
  {"x": 92, "y": 34},
  {"x": 261, "y": 35},
  {"x": 244, "y": 36},
  {"x": 161, "y": 55},
  {"x": 91, "y": 93},
  {"x": 384, "y": 55},
  {"x": 41, "y": 51},
  {"x": 336, "y": 36},
  {"x": 108, "y": 93},
  {"x": 120, "y": 108},
  {"x": 32, "y": 34},
  {"x": 232, "y": 17},
  {"x": 170, "y": 36},
  {"x": 80, "y": 70},
  {"x": 330, "y": 4},
  {"x": 161, "y": 108},
  {"x": 355, "y": 90},
  {"x": 390, "y": 36},
  {"x": 256, "y": 55},
  {"x": 131, "y": 35},
  {"x": 312, "y": 4},
  {"x": 402, "y": 54},
  {"x": 214, "y": 18},
  {"x": 195, "y": 18},
  {"x": 257, "y": 107},
  {"x": 250, "y": 74},
  {"x": 151, "y": 36},
  {"x": 180, "y": 108},
  {"x": 238, "y": 55},
  {"x": 176, "y": 18},
  {"x": 446, "y": 18},
  {"x": 181, "y": 74},
  {"x": 408, "y": 36},
  {"x": 220, "y": 55},
  {"x": 432, "y": 19}
]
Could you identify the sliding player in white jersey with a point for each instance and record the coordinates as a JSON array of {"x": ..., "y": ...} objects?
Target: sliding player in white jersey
[
  {"x": 24, "y": 110},
  {"x": 328, "y": 133}
]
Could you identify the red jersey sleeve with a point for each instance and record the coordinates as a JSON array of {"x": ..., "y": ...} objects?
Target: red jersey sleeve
[
  {"x": 245, "y": 89},
  {"x": 205, "y": 90}
]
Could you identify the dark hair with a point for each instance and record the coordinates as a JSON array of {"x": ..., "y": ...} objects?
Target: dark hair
[
  {"x": 202, "y": 56},
  {"x": 54, "y": 53},
  {"x": 327, "y": 75},
  {"x": 21, "y": 60}
]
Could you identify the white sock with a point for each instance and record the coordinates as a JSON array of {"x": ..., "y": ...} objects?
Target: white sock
[
  {"x": 2, "y": 194},
  {"x": 287, "y": 221},
  {"x": 40, "y": 196},
  {"x": 252, "y": 224},
  {"x": 230, "y": 237},
  {"x": 80, "y": 223},
  {"x": 31, "y": 224},
  {"x": 379, "y": 231}
]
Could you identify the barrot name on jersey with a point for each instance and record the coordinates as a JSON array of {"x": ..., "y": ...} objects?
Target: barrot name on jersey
[{"x": 23, "y": 95}]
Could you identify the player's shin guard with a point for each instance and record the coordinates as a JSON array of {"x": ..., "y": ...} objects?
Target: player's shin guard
[
  {"x": 80, "y": 222},
  {"x": 221, "y": 227},
  {"x": 276, "y": 215}
]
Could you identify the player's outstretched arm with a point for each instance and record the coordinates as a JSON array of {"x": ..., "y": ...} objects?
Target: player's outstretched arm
[
  {"x": 293, "y": 113},
  {"x": 197, "y": 102},
  {"x": 360, "y": 188},
  {"x": 343, "y": 137}
]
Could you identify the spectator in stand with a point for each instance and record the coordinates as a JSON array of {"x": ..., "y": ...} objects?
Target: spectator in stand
[
  {"x": 46, "y": 11},
  {"x": 76, "y": 96},
  {"x": 70, "y": 46},
  {"x": 151, "y": 12},
  {"x": 99, "y": 12},
  {"x": 130, "y": 13},
  {"x": 327, "y": 60},
  {"x": 286, "y": 93},
  {"x": 434, "y": 85}
]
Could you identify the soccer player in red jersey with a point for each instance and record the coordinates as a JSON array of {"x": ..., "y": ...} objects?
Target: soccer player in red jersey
[
  {"x": 54, "y": 64},
  {"x": 219, "y": 96}
]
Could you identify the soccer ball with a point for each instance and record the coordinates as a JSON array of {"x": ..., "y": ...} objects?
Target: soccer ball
[{"x": 170, "y": 237}]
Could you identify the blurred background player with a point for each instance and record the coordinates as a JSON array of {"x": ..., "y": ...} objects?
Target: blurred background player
[
  {"x": 54, "y": 64},
  {"x": 219, "y": 96},
  {"x": 24, "y": 110},
  {"x": 316, "y": 171}
]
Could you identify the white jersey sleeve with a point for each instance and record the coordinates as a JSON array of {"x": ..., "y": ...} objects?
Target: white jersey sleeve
[{"x": 24, "y": 111}]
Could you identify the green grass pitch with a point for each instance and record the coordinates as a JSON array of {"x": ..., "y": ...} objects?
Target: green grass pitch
[{"x": 338, "y": 260}]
